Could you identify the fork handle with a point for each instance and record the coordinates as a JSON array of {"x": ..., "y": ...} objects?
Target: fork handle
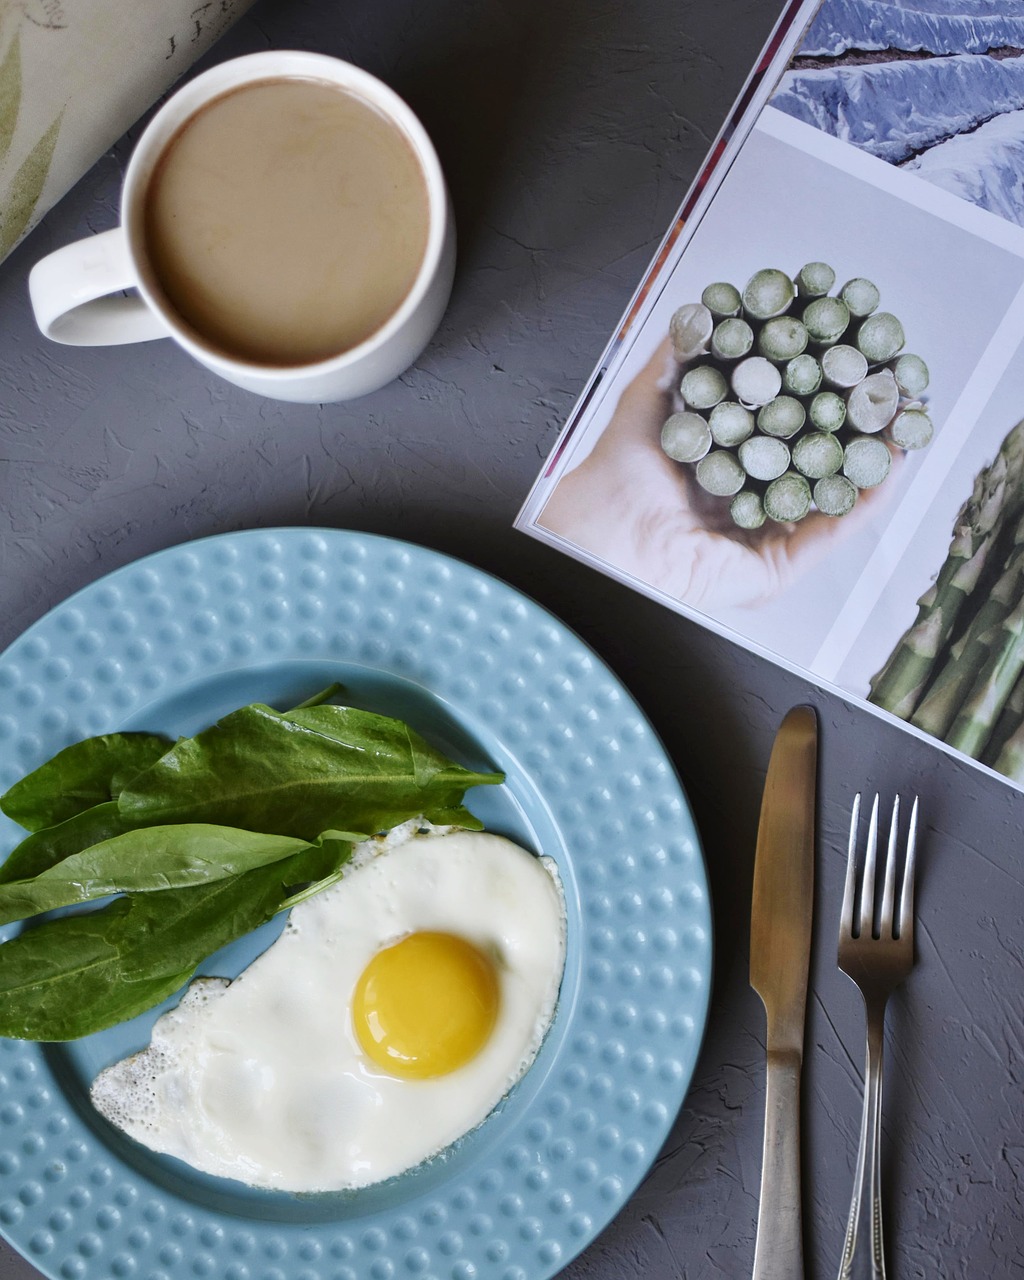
[
  {"x": 863, "y": 1252},
  {"x": 778, "y": 1253}
]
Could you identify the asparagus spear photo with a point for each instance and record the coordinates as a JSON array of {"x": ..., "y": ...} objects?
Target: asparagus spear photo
[
  {"x": 802, "y": 375},
  {"x": 730, "y": 423},
  {"x": 1010, "y": 757},
  {"x": 992, "y": 685},
  {"x": 686, "y": 437},
  {"x": 827, "y": 411},
  {"x": 1007, "y": 727},
  {"x": 861, "y": 296},
  {"x": 967, "y": 655},
  {"x": 900, "y": 683},
  {"x": 731, "y": 338},
  {"x": 690, "y": 329},
  {"x": 814, "y": 280},
  {"x": 834, "y": 495},
  {"x": 722, "y": 299},
  {"x": 958, "y": 670}
]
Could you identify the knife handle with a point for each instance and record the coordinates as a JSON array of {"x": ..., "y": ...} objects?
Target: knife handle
[{"x": 778, "y": 1253}]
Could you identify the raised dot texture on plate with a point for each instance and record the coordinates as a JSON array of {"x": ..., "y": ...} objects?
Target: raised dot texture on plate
[{"x": 189, "y": 627}]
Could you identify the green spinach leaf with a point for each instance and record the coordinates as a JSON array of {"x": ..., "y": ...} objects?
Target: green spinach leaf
[
  {"x": 146, "y": 860},
  {"x": 81, "y": 973},
  {"x": 301, "y": 773},
  {"x": 43, "y": 849},
  {"x": 82, "y": 775}
]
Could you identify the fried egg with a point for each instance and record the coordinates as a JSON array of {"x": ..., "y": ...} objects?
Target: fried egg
[{"x": 389, "y": 1018}]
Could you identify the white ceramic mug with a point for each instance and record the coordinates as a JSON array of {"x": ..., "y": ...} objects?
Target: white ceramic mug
[{"x": 77, "y": 293}]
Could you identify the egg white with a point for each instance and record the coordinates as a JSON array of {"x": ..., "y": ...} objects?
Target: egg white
[{"x": 263, "y": 1080}]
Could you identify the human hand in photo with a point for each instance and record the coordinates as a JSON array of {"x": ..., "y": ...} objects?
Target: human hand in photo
[{"x": 631, "y": 505}]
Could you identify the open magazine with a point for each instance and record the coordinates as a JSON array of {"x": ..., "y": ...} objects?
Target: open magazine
[{"x": 808, "y": 431}]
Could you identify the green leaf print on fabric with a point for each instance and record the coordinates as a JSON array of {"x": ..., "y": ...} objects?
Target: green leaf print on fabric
[
  {"x": 25, "y": 189},
  {"x": 10, "y": 93}
]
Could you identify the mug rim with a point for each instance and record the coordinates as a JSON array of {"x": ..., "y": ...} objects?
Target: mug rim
[{"x": 221, "y": 79}]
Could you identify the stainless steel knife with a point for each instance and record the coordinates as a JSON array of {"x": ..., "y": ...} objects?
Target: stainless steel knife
[{"x": 780, "y": 947}]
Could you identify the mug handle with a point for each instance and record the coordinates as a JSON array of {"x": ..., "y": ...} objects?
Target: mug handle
[{"x": 76, "y": 295}]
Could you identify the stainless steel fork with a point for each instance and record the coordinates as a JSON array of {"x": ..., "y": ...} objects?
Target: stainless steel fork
[{"x": 876, "y": 950}]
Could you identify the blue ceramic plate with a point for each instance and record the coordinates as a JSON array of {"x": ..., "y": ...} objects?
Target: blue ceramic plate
[{"x": 175, "y": 640}]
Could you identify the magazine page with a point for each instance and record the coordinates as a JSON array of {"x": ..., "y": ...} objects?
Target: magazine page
[{"x": 804, "y": 434}]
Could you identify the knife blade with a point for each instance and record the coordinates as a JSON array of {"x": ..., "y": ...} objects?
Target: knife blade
[{"x": 780, "y": 948}]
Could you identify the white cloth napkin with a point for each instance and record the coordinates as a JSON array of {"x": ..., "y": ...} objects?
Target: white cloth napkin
[{"x": 74, "y": 75}]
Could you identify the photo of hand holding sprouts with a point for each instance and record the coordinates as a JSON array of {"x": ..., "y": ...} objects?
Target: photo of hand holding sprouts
[
  {"x": 762, "y": 426},
  {"x": 793, "y": 397}
]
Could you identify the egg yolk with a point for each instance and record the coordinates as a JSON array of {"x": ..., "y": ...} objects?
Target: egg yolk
[{"x": 426, "y": 1005}]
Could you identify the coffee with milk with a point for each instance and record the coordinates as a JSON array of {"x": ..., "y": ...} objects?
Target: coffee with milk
[{"x": 286, "y": 221}]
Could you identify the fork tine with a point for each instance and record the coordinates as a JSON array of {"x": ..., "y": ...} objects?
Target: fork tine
[
  {"x": 867, "y": 887},
  {"x": 887, "y": 921},
  {"x": 846, "y": 919},
  {"x": 907, "y": 892}
]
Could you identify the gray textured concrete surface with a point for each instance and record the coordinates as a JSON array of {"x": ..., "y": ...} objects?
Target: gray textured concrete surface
[{"x": 569, "y": 131}]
